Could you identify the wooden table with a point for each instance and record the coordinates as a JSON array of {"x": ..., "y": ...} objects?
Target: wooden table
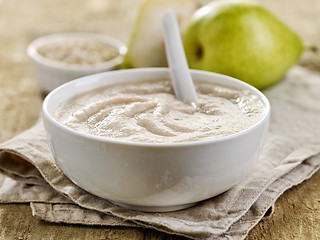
[{"x": 297, "y": 212}]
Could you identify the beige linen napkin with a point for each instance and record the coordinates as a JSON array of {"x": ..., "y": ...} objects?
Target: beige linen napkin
[{"x": 291, "y": 155}]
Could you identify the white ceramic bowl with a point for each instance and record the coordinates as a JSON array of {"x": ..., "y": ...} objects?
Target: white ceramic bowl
[
  {"x": 51, "y": 74},
  {"x": 152, "y": 176}
]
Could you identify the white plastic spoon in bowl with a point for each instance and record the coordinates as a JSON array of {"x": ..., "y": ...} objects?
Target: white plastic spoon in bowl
[{"x": 180, "y": 74}]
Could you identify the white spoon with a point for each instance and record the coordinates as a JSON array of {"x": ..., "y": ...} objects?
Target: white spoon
[{"x": 179, "y": 70}]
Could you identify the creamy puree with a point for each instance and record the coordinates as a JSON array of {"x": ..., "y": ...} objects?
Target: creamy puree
[{"x": 148, "y": 111}]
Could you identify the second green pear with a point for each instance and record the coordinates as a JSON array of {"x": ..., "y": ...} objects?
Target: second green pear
[{"x": 243, "y": 40}]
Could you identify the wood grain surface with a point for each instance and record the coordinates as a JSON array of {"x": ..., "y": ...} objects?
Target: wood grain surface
[{"x": 297, "y": 212}]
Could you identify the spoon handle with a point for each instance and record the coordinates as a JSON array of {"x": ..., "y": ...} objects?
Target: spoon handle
[{"x": 180, "y": 74}]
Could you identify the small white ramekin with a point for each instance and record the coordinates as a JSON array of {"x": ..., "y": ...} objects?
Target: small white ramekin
[
  {"x": 152, "y": 176},
  {"x": 51, "y": 74}
]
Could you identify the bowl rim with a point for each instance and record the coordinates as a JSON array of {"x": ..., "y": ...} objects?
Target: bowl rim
[
  {"x": 264, "y": 120},
  {"x": 101, "y": 38}
]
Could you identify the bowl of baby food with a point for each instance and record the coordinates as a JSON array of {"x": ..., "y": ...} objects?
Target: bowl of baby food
[
  {"x": 123, "y": 136},
  {"x": 59, "y": 58}
]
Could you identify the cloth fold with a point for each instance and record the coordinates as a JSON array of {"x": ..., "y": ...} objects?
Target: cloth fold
[{"x": 291, "y": 155}]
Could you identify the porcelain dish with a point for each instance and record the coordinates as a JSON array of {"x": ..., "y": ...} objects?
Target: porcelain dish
[
  {"x": 51, "y": 74},
  {"x": 152, "y": 177}
]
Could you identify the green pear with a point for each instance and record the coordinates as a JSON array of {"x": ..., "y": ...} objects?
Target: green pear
[
  {"x": 146, "y": 42},
  {"x": 241, "y": 39}
]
